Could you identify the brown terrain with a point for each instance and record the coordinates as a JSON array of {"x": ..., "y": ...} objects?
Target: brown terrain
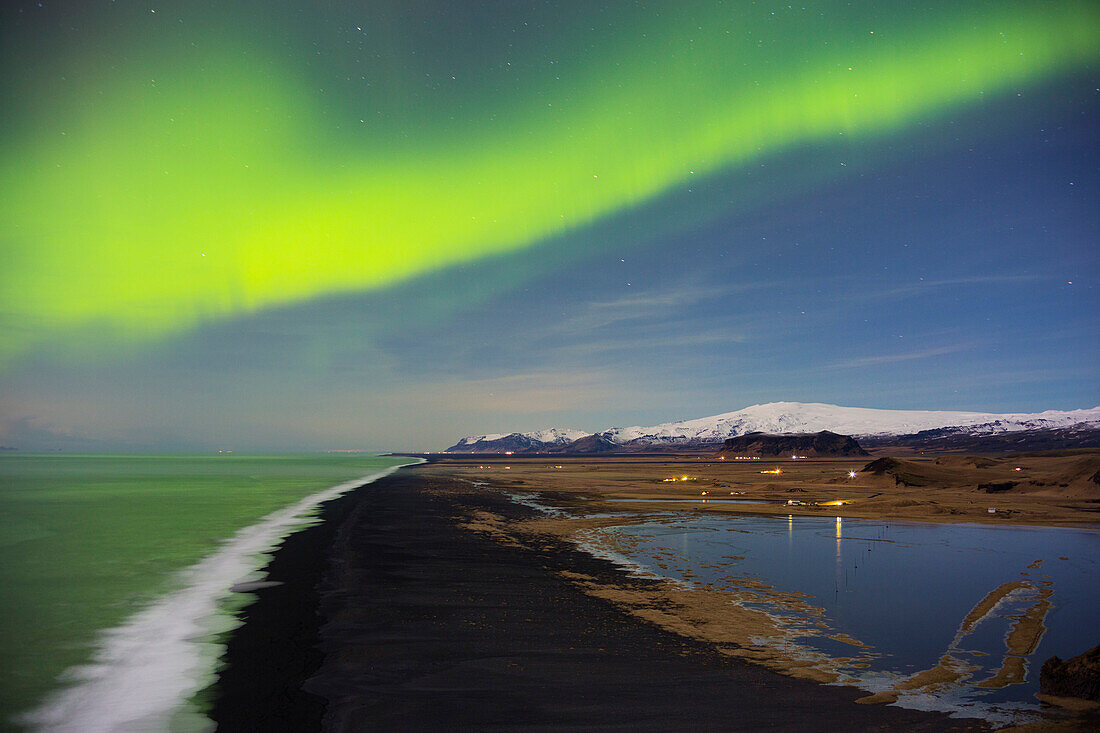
[{"x": 1057, "y": 488}]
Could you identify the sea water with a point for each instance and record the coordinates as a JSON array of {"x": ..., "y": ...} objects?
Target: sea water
[{"x": 89, "y": 530}]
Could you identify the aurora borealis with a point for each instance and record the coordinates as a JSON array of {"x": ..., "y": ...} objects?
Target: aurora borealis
[{"x": 335, "y": 179}]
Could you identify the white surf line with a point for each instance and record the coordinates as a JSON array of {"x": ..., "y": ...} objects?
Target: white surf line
[{"x": 146, "y": 670}]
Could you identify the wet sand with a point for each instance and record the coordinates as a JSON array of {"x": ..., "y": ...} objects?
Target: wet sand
[{"x": 413, "y": 606}]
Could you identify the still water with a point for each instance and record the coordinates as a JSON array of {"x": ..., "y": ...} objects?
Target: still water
[
  {"x": 991, "y": 603},
  {"x": 700, "y": 500}
]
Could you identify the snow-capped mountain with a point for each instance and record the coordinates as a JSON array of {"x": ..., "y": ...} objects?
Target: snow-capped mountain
[
  {"x": 555, "y": 436},
  {"x": 785, "y": 417},
  {"x": 503, "y": 442},
  {"x": 812, "y": 417}
]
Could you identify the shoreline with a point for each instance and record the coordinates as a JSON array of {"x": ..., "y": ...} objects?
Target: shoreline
[
  {"x": 422, "y": 623},
  {"x": 269, "y": 657},
  {"x": 150, "y": 671}
]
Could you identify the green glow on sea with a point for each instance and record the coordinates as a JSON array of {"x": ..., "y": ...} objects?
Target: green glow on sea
[
  {"x": 85, "y": 541},
  {"x": 199, "y": 180}
]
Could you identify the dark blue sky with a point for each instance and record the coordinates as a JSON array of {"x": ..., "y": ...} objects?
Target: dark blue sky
[{"x": 950, "y": 264}]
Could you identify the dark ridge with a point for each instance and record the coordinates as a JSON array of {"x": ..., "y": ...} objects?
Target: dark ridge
[
  {"x": 587, "y": 444},
  {"x": 1077, "y": 677},
  {"x": 815, "y": 445},
  {"x": 912, "y": 473},
  {"x": 516, "y": 442},
  {"x": 880, "y": 466},
  {"x": 956, "y": 439}
]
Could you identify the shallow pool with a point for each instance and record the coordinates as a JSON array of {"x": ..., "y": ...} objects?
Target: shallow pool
[
  {"x": 981, "y": 605},
  {"x": 700, "y": 500}
]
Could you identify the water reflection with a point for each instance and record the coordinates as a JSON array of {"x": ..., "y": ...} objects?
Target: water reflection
[
  {"x": 956, "y": 617},
  {"x": 700, "y": 500}
]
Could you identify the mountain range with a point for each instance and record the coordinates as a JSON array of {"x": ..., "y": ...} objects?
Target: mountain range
[{"x": 872, "y": 426}]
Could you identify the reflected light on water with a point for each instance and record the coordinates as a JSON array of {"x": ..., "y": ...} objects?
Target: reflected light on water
[
  {"x": 838, "y": 538},
  {"x": 976, "y": 595}
]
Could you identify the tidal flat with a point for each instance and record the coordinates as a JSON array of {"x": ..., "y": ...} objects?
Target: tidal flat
[
  {"x": 919, "y": 595},
  {"x": 955, "y": 617}
]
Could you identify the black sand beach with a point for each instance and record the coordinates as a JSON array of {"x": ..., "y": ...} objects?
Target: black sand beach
[{"x": 391, "y": 616}]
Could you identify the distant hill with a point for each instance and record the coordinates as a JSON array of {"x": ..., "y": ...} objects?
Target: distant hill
[
  {"x": 912, "y": 473},
  {"x": 587, "y": 444},
  {"x": 950, "y": 430},
  {"x": 1082, "y": 435},
  {"x": 540, "y": 440},
  {"x": 1066, "y": 474},
  {"x": 811, "y": 445}
]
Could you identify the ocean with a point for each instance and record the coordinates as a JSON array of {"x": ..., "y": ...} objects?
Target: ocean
[{"x": 115, "y": 575}]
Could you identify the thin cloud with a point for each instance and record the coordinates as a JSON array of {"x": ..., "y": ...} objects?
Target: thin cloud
[
  {"x": 651, "y": 306},
  {"x": 893, "y": 358},
  {"x": 650, "y": 344},
  {"x": 923, "y": 286}
]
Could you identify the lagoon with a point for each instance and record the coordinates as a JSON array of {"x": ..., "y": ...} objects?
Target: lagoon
[
  {"x": 980, "y": 607},
  {"x": 700, "y": 500}
]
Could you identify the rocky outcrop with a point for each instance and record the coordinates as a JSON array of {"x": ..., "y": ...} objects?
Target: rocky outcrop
[
  {"x": 516, "y": 442},
  {"x": 912, "y": 473},
  {"x": 810, "y": 445},
  {"x": 588, "y": 444},
  {"x": 1076, "y": 677}
]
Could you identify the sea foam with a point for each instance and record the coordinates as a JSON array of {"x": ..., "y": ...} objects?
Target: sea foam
[{"x": 144, "y": 672}]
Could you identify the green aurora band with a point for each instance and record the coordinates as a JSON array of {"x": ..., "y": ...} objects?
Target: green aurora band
[{"x": 204, "y": 180}]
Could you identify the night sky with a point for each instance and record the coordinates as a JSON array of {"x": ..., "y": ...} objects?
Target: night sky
[{"x": 387, "y": 224}]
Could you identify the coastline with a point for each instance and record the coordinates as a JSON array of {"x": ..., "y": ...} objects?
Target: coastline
[
  {"x": 273, "y": 652},
  {"x": 149, "y": 672},
  {"x": 422, "y": 623}
]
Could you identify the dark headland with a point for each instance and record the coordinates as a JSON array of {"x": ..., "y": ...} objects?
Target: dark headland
[{"x": 392, "y": 616}]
